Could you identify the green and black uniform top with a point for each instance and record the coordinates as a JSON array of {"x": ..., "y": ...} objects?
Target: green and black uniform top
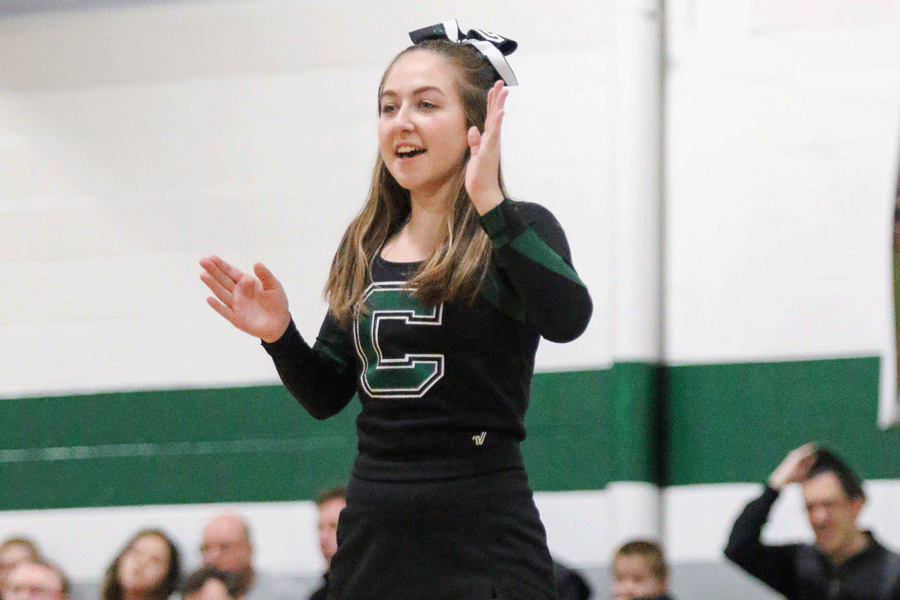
[{"x": 444, "y": 389}]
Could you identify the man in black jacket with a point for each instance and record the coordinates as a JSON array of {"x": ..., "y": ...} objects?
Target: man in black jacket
[
  {"x": 845, "y": 562},
  {"x": 330, "y": 502}
]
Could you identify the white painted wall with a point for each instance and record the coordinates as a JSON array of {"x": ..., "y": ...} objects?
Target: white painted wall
[{"x": 783, "y": 137}]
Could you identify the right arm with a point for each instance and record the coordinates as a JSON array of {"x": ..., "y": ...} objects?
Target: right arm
[
  {"x": 773, "y": 565},
  {"x": 322, "y": 378}
]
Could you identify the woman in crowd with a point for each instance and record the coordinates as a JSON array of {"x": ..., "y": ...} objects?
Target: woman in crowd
[{"x": 147, "y": 568}]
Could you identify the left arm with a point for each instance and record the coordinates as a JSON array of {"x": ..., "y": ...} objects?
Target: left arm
[{"x": 531, "y": 250}]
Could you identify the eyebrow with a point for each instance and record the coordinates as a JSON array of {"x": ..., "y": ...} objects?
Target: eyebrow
[{"x": 416, "y": 92}]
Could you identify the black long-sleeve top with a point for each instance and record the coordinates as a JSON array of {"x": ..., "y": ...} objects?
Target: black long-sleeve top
[
  {"x": 444, "y": 389},
  {"x": 800, "y": 571}
]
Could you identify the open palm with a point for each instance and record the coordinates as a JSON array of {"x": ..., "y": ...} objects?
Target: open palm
[
  {"x": 483, "y": 170},
  {"x": 255, "y": 305}
]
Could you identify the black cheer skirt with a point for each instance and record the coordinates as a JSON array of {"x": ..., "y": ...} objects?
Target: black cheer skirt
[{"x": 468, "y": 538}]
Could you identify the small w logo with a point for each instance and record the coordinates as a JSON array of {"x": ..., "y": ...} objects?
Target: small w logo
[{"x": 479, "y": 439}]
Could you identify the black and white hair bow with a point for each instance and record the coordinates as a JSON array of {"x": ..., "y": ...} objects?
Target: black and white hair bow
[{"x": 493, "y": 47}]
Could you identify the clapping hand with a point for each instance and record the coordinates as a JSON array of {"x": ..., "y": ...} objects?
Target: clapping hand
[
  {"x": 483, "y": 170},
  {"x": 255, "y": 305}
]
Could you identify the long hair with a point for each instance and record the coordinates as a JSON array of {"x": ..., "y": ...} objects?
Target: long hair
[
  {"x": 458, "y": 265},
  {"x": 112, "y": 587}
]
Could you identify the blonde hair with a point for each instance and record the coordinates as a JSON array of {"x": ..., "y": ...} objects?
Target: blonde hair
[{"x": 458, "y": 265}]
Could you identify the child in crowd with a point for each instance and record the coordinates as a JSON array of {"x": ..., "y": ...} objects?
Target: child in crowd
[{"x": 640, "y": 571}]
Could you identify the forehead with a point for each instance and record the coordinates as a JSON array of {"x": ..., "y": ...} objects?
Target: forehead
[
  {"x": 152, "y": 544},
  {"x": 224, "y": 529},
  {"x": 632, "y": 564},
  {"x": 337, "y": 504},
  {"x": 420, "y": 68},
  {"x": 35, "y": 575},
  {"x": 823, "y": 487},
  {"x": 14, "y": 553}
]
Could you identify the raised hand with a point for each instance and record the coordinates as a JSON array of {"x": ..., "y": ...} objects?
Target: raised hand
[
  {"x": 794, "y": 468},
  {"x": 483, "y": 170},
  {"x": 255, "y": 305}
]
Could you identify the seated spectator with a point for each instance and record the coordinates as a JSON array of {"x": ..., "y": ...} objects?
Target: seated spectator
[
  {"x": 330, "y": 503},
  {"x": 13, "y": 551},
  {"x": 147, "y": 568},
  {"x": 227, "y": 546},
  {"x": 640, "y": 571},
  {"x": 43, "y": 580},
  {"x": 208, "y": 583},
  {"x": 844, "y": 557},
  {"x": 570, "y": 584}
]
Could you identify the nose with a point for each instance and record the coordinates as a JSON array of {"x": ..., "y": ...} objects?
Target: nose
[
  {"x": 211, "y": 556},
  {"x": 403, "y": 118},
  {"x": 818, "y": 516}
]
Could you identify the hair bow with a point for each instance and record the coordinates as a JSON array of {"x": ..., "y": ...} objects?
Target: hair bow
[{"x": 493, "y": 47}]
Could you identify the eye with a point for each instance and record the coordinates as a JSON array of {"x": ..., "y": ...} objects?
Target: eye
[
  {"x": 427, "y": 104},
  {"x": 388, "y": 108}
]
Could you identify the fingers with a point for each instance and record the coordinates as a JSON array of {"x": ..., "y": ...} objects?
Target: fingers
[
  {"x": 221, "y": 309},
  {"x": 229, "y": 272},
  {"x": 489, "y": 141},
  {"x": 218, "y": 283},
  {"x": 795, "y": 466},
  {"x": 495, "y": 109},
  {"x": 474, "y": 139},
  {"x": 221, "y": 278},
  {"x": 265, "y": 276},
  {"x": 221, "y": 272},
  {"x": 806, "y": 456}
]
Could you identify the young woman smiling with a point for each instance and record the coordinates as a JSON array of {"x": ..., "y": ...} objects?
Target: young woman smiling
[{"x": 438, "y": 295}]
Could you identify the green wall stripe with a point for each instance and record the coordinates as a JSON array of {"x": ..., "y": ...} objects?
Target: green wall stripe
[
  {"x": 736, "y": 422},
  {"x": 569, "y": 432},
  {"x": 675, "y": 426},
  {"x": 168, "y": 447},
  {"x": 636, "y": 435}
]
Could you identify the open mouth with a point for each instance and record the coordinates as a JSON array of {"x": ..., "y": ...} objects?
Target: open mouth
[{"x": 409, "y": 151}]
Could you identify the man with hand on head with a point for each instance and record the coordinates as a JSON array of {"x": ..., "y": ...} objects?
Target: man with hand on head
[{"x": 845, "y": 562}]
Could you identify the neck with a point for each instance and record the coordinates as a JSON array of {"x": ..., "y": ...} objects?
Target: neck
[
  {"x": 856, "y": 544},
  {"x": 425, "y": 223},
  {"x": 421, "y": 234},
  {"x": 135, "y": 595}
]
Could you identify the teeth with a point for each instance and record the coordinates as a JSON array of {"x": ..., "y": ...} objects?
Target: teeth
[{"x": 407, "y": 149}]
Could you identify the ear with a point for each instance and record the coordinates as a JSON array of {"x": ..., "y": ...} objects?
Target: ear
[{"x": 856, "y": 505}]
